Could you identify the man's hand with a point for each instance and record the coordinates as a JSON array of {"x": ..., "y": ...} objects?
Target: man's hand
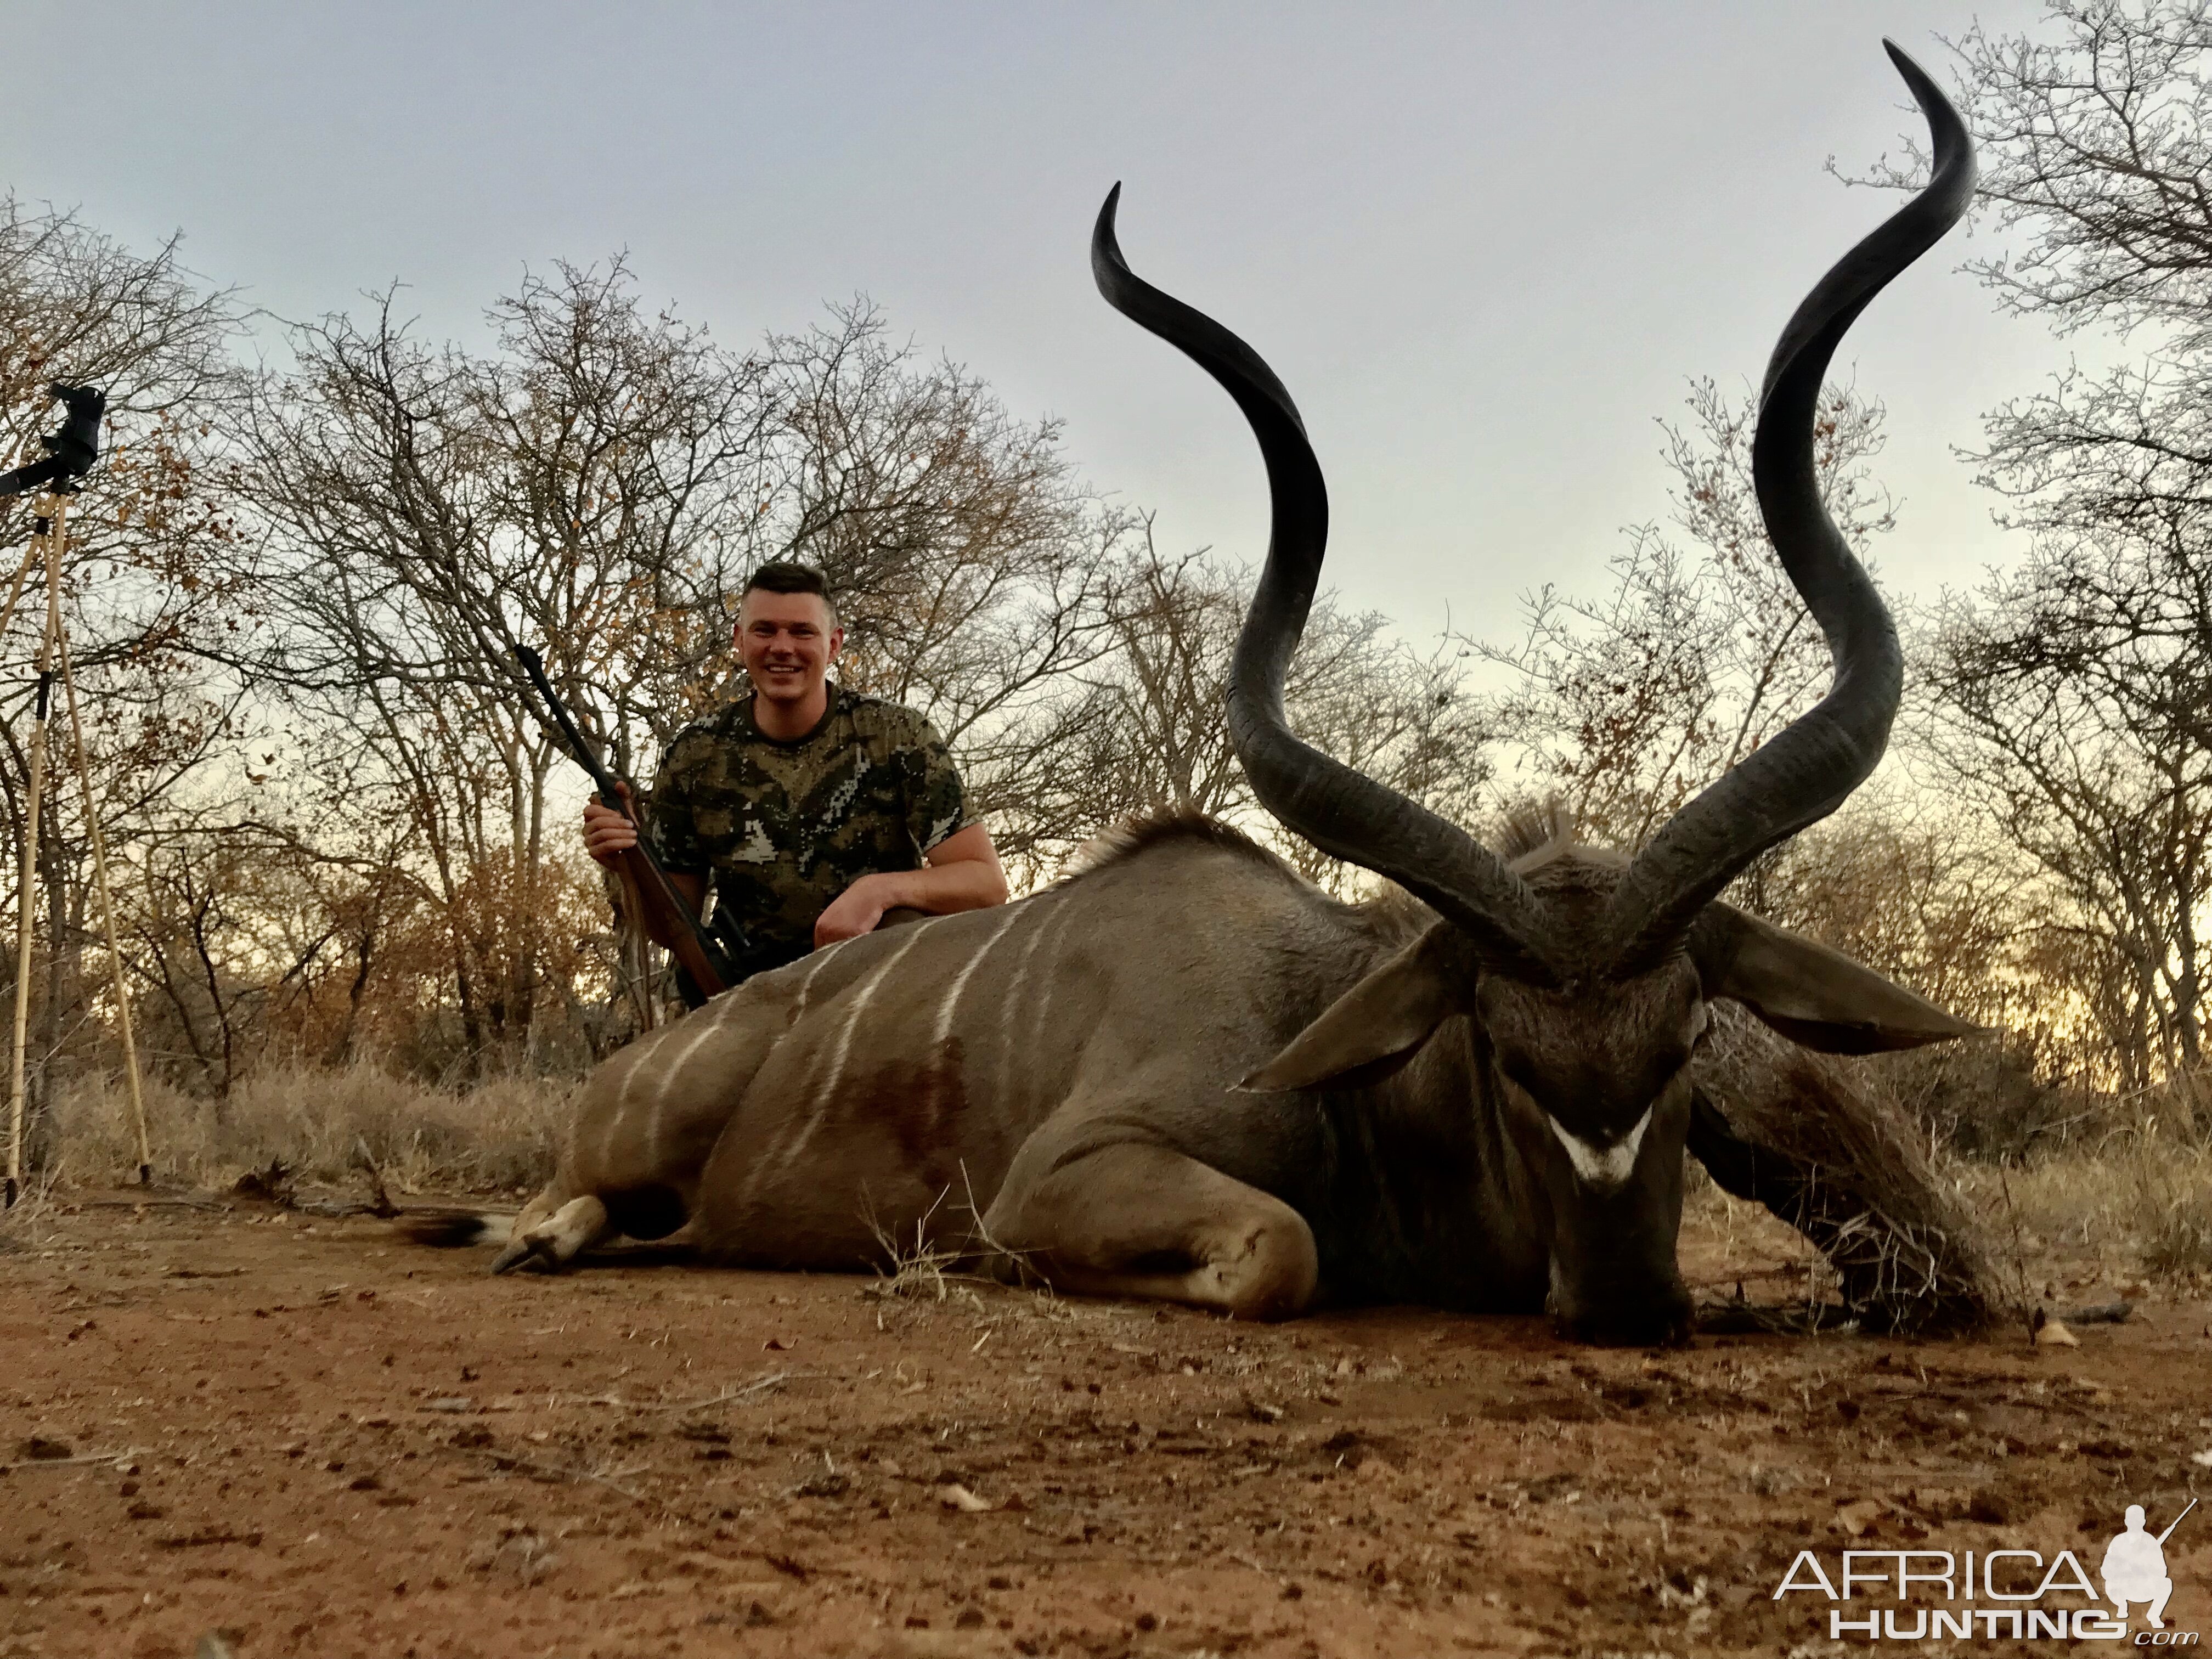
[
  {"x": 607, "y": 834},
  {"x": 853, "y": 912},
  {"x": 961, "y": 872}
]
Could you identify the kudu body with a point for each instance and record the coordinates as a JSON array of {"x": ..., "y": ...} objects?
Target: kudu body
[{"x": 1186, "y": 1074}]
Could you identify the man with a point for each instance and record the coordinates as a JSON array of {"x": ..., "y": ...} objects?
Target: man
[
  {"x": 2134, "y": 1569},
  {"x": 807, "y": 810}
]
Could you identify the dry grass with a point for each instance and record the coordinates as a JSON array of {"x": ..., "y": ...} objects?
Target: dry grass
[
  {"x": 500, "y": 1134},
  {"x": 2141, "y": 1203},
  {"x": 2135, "y": 1202},
  {"x": 26, "y": 1223},
  {"x": 923, "y": 1271},
  {"x": 928, "y": 1269}
]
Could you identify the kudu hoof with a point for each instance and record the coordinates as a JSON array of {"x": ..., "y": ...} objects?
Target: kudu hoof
[
  {"x": 516, "y": 1252},
  {"x": 544, "y": 1252}
]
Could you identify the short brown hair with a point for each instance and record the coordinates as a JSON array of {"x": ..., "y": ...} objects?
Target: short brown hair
[{"x": 789, "y": 576}]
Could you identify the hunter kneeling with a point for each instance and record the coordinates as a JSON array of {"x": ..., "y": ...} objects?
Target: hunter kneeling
[{"x": 807, "y": 810}]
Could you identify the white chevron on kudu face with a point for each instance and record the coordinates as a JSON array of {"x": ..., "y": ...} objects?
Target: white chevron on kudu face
[{"x": 1602, "y": 1167}]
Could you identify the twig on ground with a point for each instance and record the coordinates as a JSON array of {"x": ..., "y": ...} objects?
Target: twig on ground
[
  {"x": 760, "y": 1384},
  {"x": 379, "y": 1200},
  {"x": 80, "y": 1459},
  {"x": 553, "y": 1472}
]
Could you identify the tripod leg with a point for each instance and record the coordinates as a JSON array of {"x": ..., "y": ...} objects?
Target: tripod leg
[
  {"x": 15, "y": 587},
  {"x": 25, "y": 900},
  {"x": 99, "y": 839}
]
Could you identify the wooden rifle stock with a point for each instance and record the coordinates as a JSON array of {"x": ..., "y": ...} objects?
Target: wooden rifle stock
[
  {"x": 700, "y": 956},
  {"x": 642, "y": 876}
]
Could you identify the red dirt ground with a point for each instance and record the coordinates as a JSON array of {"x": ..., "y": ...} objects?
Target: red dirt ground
[{"x": 333, "y": 1443}]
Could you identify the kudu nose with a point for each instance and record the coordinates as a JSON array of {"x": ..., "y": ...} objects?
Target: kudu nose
[
  {"x": 1624, "y": 1305},
  {"x": 1659, "y": 1322}
]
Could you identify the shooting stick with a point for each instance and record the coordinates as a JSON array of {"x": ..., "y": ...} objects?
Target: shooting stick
[
  {"x": 15, "y": 587},
  {"x": 99, "y": 838},
  {"x": 48, "y": 542},
  {"x": 48, "y": 531}
]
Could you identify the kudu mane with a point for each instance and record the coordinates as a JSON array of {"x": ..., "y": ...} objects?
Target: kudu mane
[
  {"x": 1573, "y": 881},
  {"x": 1125, "y": 840}
]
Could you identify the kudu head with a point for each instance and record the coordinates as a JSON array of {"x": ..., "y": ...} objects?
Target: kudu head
[{"x": 1587, "y": 975}]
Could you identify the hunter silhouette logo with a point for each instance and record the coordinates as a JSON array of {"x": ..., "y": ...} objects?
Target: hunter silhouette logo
[
  {"x": 1996, "y": 1594},
  {"x": 2134, "y": 1567}
]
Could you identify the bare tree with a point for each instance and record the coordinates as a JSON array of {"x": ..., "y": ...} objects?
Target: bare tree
[
  {"x": 1141, "y": 727},
  {"x": 142, "y": 588},
  {"x": 977, "y": 576},
  {"x": 425, "y": 510},
  {"x": 2072, "y": 693},
  {"x": 599, "y": 485},
  {"x": 2083, "y": 733},
  {"x": 2093, "y": 142},
  {"x": 1629, "y": 705}
]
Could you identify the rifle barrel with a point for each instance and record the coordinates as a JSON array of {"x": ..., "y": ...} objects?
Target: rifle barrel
[
  {"x": 572, "y": 739},
  {"x": 697, "y": 951},
  {"x": 2177, "y": 1520}
]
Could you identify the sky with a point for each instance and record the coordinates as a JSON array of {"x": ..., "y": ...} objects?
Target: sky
[{"x": 1486, "y": 245}]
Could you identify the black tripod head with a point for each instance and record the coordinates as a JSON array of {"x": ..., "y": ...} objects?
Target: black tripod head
[{"x": 69, "y": 452}]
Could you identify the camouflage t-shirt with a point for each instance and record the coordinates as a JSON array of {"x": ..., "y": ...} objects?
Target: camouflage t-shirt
[{"x": 782, "y": 828}]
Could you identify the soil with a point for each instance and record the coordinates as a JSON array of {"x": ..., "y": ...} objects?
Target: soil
[{"x": 311, "y": 1437}]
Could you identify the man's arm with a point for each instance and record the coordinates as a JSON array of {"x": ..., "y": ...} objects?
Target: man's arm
[
  {"x": 961, "y": 872},
  {"x": 608, "y": 835}
]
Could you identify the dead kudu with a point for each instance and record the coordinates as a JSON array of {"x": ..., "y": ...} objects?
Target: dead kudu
[{"x": 1185, "y": 1073}]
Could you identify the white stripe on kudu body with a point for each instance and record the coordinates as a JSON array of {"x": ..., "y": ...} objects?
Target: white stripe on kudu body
[
  {"x": 941, "y": 1031},
  {"x": 862, "y": 994},
  {"x": 1006, "y": 1022},
  {"x": 827, "y": 1093},
  {"x": 1602, "y": 1167},
  {"x": 821, "y": 960},
  {"x": 951, "y": 998},
  {"x": 706, "y": 1024}
]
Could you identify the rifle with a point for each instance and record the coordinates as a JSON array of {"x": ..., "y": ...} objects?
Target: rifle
[{"x": 706, "y": 965}]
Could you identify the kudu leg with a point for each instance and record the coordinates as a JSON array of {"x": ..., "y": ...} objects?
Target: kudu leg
[
  {"x": 548, "y": 1237},
  {"x": 1144, "y": 1221},
  {"x": 648, "y": 1119}
]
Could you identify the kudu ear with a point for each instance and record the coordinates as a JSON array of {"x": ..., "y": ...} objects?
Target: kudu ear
[
  {"x": 1378, "y": 1025},
  {"x": 1812, "y": 996}
]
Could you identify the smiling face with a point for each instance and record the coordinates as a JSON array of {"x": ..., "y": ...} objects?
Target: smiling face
[
  {"x": 787, "y": 642},
  {"x": 1597, "y": 1091}
]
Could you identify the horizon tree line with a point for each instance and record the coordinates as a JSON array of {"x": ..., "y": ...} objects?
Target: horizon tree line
[{"x": 341, "y": 832}]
